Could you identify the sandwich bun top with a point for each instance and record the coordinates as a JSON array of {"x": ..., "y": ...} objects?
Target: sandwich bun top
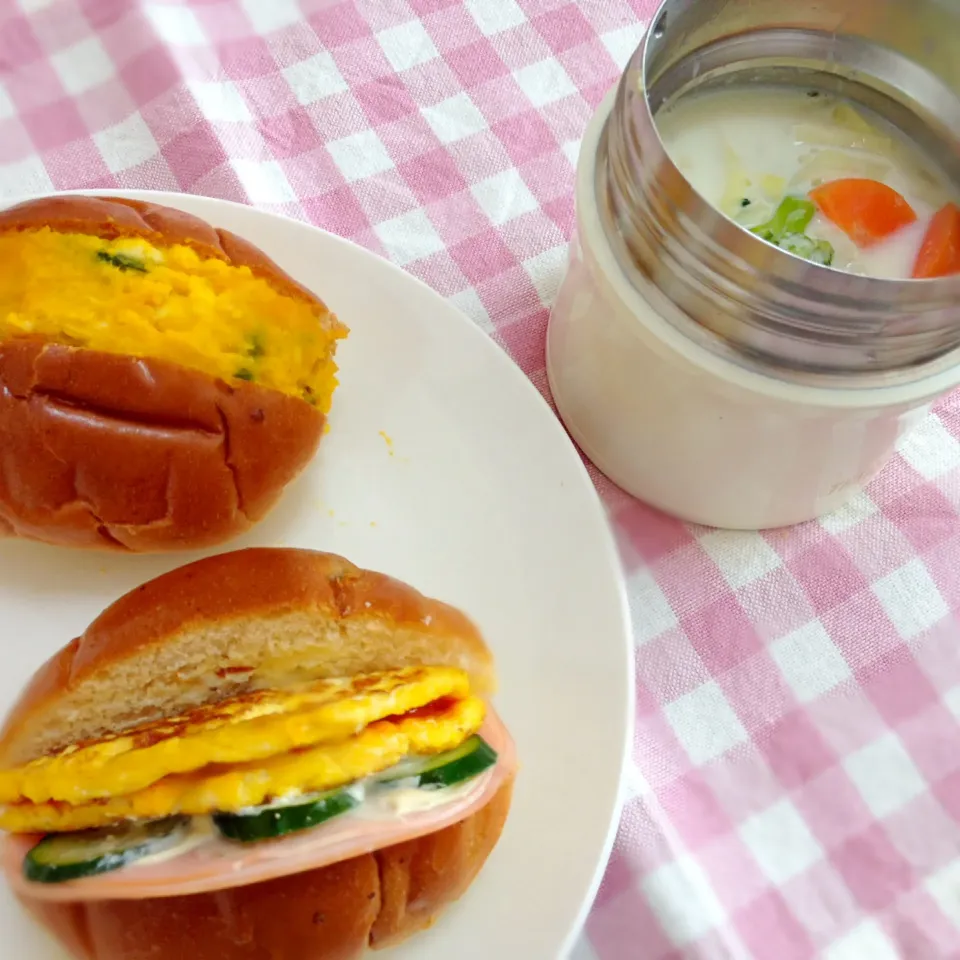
[{"x": 250, "y": 619}]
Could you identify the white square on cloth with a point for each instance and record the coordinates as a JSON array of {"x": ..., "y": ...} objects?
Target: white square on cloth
[
  {"x": 683, "y": 898},
  {"x": 740, "y": 557},
  {"x": 930, "y": 448},
  {"x": 177, "y": 26},
  {"x": 24, "y": 177},
  {"x": 83, "y": 66},
  {"x": 781, "y": 842},
  {"x": 651, "y": 613},
  {"x": 810, "y": 661},
  {"x": 407, "y": 45},
  {"x": 126, "y": 144},
  {"x": 867, "y": 941},
  {"x": 219, "y": 101},
  {"x": 455, "y": 118},
  {"x": 495, "y": 16},
  {"x": 409, "y": 237},
  {"x": 944, "y": 887},
  {"x": 885, "y": 775},
  {"x": 545, "y": 82},
  {"x": 911, "y": 599},
  {"x": 263, "y": 181},
  {"x": 705, "y": 723},
  {"x": 315, "y": 78},
  {"x": 360, "y": 155},
  {"x": 504, "y": 196},
  {"x": 268, "y": 16}
]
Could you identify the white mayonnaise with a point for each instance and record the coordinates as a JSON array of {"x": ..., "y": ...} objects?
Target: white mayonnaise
[{"x": 200, "y": 832}]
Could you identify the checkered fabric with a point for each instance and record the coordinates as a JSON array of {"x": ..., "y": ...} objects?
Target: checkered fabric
[{"x": 795, "y": 785}]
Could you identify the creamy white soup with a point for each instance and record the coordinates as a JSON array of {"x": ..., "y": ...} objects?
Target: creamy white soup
[{"x": 818, "y": 177}]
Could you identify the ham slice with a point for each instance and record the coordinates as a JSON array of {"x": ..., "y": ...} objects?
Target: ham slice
[{"x": 220, "y": 864}]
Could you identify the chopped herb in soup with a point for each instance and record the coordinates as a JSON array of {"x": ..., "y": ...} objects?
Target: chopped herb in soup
[{"x": 817, "y": 177}]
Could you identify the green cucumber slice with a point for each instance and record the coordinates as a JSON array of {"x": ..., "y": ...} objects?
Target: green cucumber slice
[
  {"x": 278, "y": 819},
  {"x": 469, "y": 760},
  {"x": 69, "y": 856}
]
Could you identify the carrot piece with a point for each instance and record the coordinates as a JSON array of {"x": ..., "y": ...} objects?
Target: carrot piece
[
  {"x": 940, "y": 251},
  {"x": 865, "y": 210}
]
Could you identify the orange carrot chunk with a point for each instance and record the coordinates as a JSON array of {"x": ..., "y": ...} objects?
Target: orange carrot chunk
[
  {"x": 940, "y": 251},
  {"x": 865, "y": 210}
]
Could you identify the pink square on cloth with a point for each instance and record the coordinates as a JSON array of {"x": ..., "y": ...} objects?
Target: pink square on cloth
[
  {"x": 627, "y": 918},
  {"x": 55, "y": 125},
  {"x": 149, "y": 75},
  {"x": 245, "y": 58},
  {"x": 33, "y": 85},
  {"x": 457, "y": 217},
  {"x": 769, "y": 929},
  {"x": 521, "y": 46},
  {"x": 338, "y": 211},
  {"x": 339, "y": 24},
  {"x": 925, "y": 516},
  {"x": 832, "y": 807},
  {"x": 564, "y": 27},
  {"x": 721, "y": 633},
  {"x": 693, "y": 810},
  {"x": 289, "y": 134},
  {"x": 514, "y": 295},
  {"x": 652, "y": 534},
  {"x": 525, "y": 136},
  {"x": 76, "y": 165},
  {"x": 920, "y": 929},
  {"x": 930, "y": 738},
  {"x": 669, "y": 665},
  {"x": 451, "y": 27},
  {"x": 18, "y": 43},
  {"x": 384, "y": 100},
  {"x": 15, "y": 142},
  {"x": 897, "y": 687},
  {"x": 476, "y": 63},
  {"x": 432, "y": 176},
  {"x": 827, "y": 574},
  {"x": 440, "y": 272},
  {"x": 875, "y": 871},
  {"x": 588, "y": 65},
  {"x": 425, "y": 7},
  {"x": 194, "y": 154},
  {"x": 795, "y": 749}
]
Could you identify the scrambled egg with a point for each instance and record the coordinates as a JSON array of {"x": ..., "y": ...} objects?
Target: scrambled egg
[
  {"x": 247, "y": 727},
  {"x": 442, "y": 726},
  {"x": 127, "y": 296}
]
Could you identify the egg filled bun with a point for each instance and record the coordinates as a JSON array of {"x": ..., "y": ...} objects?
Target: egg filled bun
[
  {"x": 161, "y": 381},
  {"x": 266, "y": 753}
]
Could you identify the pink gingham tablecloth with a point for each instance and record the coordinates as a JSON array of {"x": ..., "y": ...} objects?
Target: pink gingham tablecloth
[{"x": 795, "y": 786}]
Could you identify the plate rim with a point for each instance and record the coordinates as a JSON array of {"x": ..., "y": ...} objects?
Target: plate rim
[{"x": 610, "y": 548}]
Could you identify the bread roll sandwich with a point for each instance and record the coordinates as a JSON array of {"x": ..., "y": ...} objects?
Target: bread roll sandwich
[
  {"x": 161, "y": 381},
  {"x": 266, "y": 753}
]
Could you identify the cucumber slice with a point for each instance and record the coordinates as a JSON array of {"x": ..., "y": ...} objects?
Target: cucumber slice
[
  {"x": 469, "y": 760},
  {"x": 278, "y": 819},
  {"x": 69, "y": 856}
]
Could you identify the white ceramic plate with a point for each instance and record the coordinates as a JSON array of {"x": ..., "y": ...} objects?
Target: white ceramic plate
[{"x": 443, "y": 467}]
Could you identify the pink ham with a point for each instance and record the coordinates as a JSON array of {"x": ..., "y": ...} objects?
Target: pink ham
[{"x": 220, "y": 864}]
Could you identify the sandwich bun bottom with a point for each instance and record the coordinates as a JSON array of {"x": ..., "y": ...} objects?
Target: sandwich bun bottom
[{"x": 336, "y": 912}]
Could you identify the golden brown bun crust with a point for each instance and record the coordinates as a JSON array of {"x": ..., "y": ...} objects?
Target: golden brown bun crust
[
  {"x": 111, "y": 217},
  {"x": 259, "y": 582},
  {"x": 103, "y": 450},
  {"x": 333, "y": 913}
]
